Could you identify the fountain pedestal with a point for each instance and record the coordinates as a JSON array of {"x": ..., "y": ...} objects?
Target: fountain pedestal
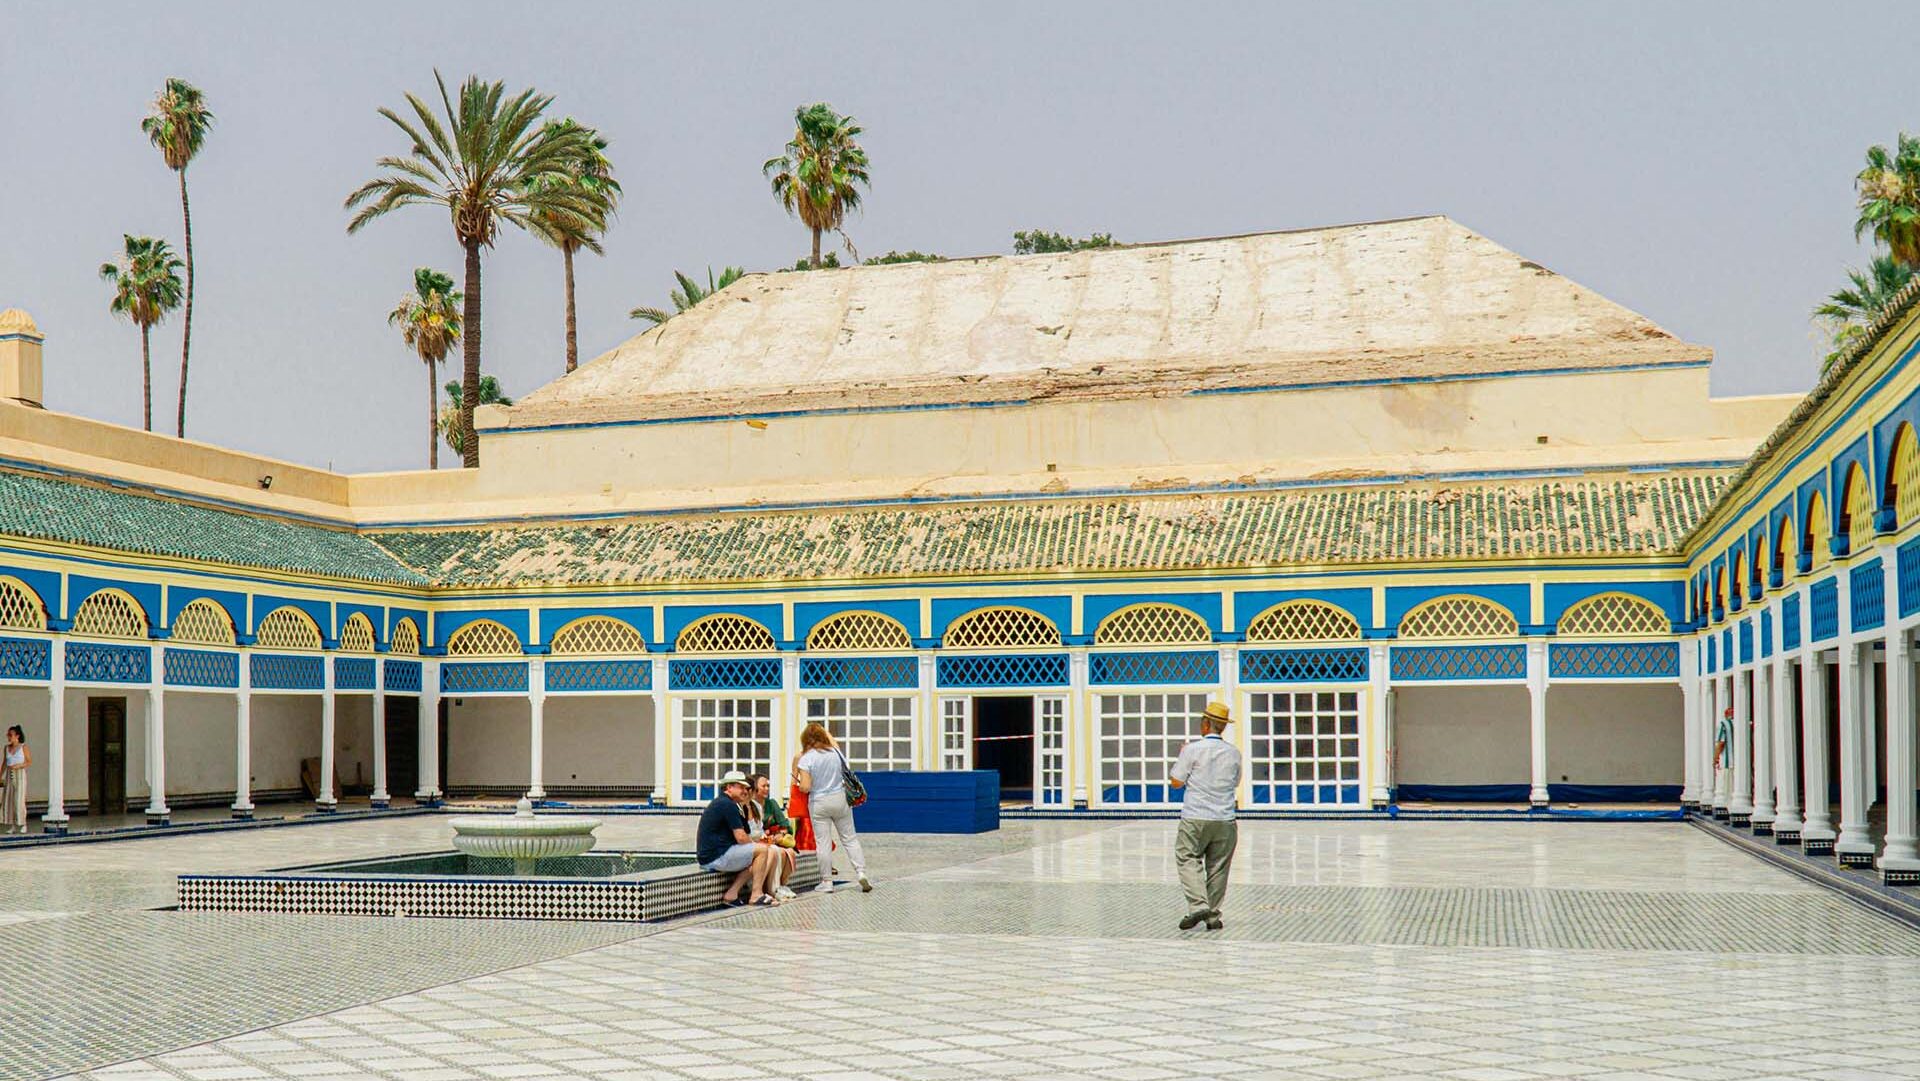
[{"x": 523, "y": 837}]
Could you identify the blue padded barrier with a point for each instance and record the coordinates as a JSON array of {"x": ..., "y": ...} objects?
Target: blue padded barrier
[{"x": 929, "y": 801}]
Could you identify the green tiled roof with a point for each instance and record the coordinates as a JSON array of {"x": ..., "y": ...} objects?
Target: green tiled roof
[
  {"x": 1639, "y": 514},
  {"x": 44, "y": 508}
]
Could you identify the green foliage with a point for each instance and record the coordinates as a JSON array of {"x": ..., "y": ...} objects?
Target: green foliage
[
  {"x": 819, "y": 177},
  {"x": 429, "y": 322},
  {"x": 1039, "y": 241},
  {"x": 452, "y": 425},
  {"x": 829, "y": 261},
  {"x": 1888, "y": 198},
  {"x": 590, "y": 176},
  {"x": 904, "y": 257},
  {"x": 179, "y": 122},
  {"x": 689, "y": 293},
  {"x": 1849, "y": 312},
  {"x": 146, "y": 280}
]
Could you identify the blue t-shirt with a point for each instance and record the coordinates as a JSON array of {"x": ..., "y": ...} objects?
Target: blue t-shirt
[{"x": 717, "y": 824}]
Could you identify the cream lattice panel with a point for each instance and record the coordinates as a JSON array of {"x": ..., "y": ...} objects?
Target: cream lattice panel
[
  {"x": 724, "y": 634},
  {"x": 287, "y": 628},
  {"x": 203, "y": 622},
  {"x": 1615, "y": 615},
  {"x": 1817, "y": 532},
  {"x": 1304, "y": 621},
  {"x": 1906, "y": 477},
  {"x": 597, "y": 635},
  {"x": 356, "y": 634},
  {"x": 20, "y": 609},
  {"x": 483, "y": 638},
  {"x": 110, "y": 614},
  {"x": 1459, "y": 617},
  {"x": 1860, "y": 508},
  {"x": 859, "y": 630},
  {"x": 1151, "y": 624},
  {"x": 998, "y": 628},
  {"x": 406, "y": 639}
]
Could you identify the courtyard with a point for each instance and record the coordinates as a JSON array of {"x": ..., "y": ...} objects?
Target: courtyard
[{"x": 1357, "y": 949}]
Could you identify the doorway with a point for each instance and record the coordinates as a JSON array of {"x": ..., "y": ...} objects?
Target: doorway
[
  {"x": 1003, "y": 742},
  {"x": 403, "y": 745},
  {"x": 106, "y": 756}
]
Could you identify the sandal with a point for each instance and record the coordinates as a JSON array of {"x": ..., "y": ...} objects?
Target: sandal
[
  {"x": 767, "y": 900},
  {"x": 734, "y": 903}
]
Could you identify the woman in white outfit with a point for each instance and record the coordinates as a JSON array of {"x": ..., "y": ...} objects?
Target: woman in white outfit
[
  {"x": 820, "y": 772},
  {"x": 13, "y": 781}
]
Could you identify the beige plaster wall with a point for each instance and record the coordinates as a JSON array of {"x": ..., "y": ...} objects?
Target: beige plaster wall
[
  {"x": 1621, "y": 734},
  {"x": 1461, "y": 735},
  {"x": 599, "y": 740},
  {"x": 489, "y": 745}
]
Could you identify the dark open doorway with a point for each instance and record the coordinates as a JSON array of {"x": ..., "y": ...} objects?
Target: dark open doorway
[
  {"x": 106, "y": 756},
  {"x": 403, "y": 745},
  {"x": 1003, "y": 741}
]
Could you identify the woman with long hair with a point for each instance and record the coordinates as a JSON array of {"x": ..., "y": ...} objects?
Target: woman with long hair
[
  {"x": 821, "y": 772},
  {"x": 14, "y": 761}
]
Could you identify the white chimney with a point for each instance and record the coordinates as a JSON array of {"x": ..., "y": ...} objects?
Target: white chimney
[{"x": 20, "y": 358}]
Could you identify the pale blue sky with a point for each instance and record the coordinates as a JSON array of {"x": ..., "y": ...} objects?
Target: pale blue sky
[{"x": 1692, "y": 161}]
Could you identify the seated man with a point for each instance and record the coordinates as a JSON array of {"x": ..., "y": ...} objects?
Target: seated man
[{"x": 724, "y": 846}]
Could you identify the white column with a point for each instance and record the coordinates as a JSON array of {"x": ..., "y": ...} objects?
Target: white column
[
  {"x": 243, "y": 739},
  {"x": 1786, "y": 758},
  {"x": 1902, "y": 852},
  {"x": 1762, "y": 696},
  {"x": 1717, "y": 702},
  {"x": 1378, "y": 679},
  {"x": 1817, "y": 833},
  {"x": 788, "y": 724},
  {"x": 1854, "y": 842},
  {"x": 537, "y": 717},
  {"x": 1690, "y": 721},
  {"x": 157, "y": 813},
  {"x": 380, "y": 797},
  {"x": 926, "y": 727},
  {"x": 1078, "y": 722},
  {"x": 325, "y": 801},
  {"x": 429, "y": 732},
  {"x": 55, "y": 818},
  {"x": 662, "y": 732},
  {"x": 1740, "y": 805},
  {"x": 1537, "y": 716}
]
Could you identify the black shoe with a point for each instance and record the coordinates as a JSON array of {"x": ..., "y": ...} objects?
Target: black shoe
[
  {"x": 1192, "y": 919},
  {"x": 1213, "y": 922}
]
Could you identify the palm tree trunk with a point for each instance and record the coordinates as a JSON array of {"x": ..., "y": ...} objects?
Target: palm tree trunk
[
  {"x": 470, "y": 351},
  {"x": 186, "y": 334},
  {"x": 433, "y": 418},
  {"x": 146, "y": 376},
  {"x": 573, "y": 342},
  {"x": 815, "y": 263}
]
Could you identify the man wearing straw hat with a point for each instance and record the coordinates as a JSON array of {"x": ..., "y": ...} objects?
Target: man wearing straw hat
[{"x": 1208, "y": 772}]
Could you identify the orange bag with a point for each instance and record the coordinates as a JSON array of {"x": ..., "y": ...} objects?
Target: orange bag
[{"x": 802, "y": 821}]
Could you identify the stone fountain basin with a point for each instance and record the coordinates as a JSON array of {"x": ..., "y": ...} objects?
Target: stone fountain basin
[{"x": 523, "y": 836}]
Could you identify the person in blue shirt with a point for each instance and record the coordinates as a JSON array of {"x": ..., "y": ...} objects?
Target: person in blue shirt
[{"x": 724, "y": 846}]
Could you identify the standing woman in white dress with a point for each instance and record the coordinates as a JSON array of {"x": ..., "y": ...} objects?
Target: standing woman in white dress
[
  {"x": 13, "y": 769},
  {"x": 821, "y": 773}
]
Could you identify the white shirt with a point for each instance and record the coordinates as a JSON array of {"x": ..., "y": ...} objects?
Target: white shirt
[
  {"x": 823, "y": 765},
  {"x": 1210, "y": 769}
]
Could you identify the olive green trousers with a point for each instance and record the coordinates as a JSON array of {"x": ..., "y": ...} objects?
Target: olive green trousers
[{"x": 1203, "y": 851}]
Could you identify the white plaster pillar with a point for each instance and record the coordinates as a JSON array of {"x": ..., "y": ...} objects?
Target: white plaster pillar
[
  {"x": 1740, "y": 804},
  {"x": 1718, "y": 701},
  {"x": 1537, "y": 717},
  {"x": 1786, "y": 758},
  {"x": 1690, "y": 721},
  {"x": 1854, "y": 843},
  {"x": 1901, "y": 856},
  {"x": 326, "y": 802},
  {"x": 55, "y": 818},
  {"x": 926, "y": 721},
  {"x": 1380, "y": 692},
  {"x": 157, "y": 813},
  {"x": 243, "y": 739},
  {"x": 1078, "y": 723},
  {"x": 662, "y": 731},
  {"x": 1761, "y": 700},
  {"x": 1816, "y": 835},
  {"x": 537, "y": 716},
  {"x": 788, "y": 725},
  {"x": 429, "y": 791},
  {"x": 380, "y": 798}
]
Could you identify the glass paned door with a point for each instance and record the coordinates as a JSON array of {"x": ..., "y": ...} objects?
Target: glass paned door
[
  {"x": 1050, "y": 765},
  {"x": 956, "y": 733},
  {"x": 1140, "y": 736},
  {"x": 721, "y": 734},
  {"x": 1304, "y": 747}
]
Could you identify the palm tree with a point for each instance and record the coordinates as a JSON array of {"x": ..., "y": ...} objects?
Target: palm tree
[
  {"x": 591, "y": 174},
  {"x": 1889, "y": 198},
  {"x": 1849, "y": 312},
  {"x": 429, "y": 321},
  {"x": 820, "y": 175},
  {"x": 690, "y": 293},
  {"x": 146, "y": 286},
  {"x": 457, "y": 421},
  {"x": 178, "y": 126},
  {"x": 482, "y": 161}
]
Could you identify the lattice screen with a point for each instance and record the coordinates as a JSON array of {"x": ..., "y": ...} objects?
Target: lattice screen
[
  {"x": 356, "y": 634},
  {"x": 1906, "y": 476},
  {"x": 1459, "y": 617},
  {"x": 1304, "y": 621},
  {"x": 1860, "y": 508},
  {"x": 110, "y": 614},
  {"x": 1152, "y": 625},
  {"x": 406, "y": 639},
  {"x": 598, "y": 635},
  {"x": 205, "y": 623},
  {"x": 993, "y": 628},
  {"x": 483, "y": 638},
  {"x": 724, "y": 634},
  {"x": 20, "y": 607},
  {"x": 1783, "y": 538},
  {"x": 1817, "y": 532},
  {"x": 287, "y": 628},
  {"x": 859, "y": 630},
  {"x": 1615, "y": 615}
]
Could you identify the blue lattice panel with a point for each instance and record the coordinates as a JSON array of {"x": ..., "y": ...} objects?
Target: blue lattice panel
[
  {"x": 483, "y": 677},
  {"x": 1766, "y": 637},
  {"x": 1746, "y": 641},
  {"x": 1726, "y": 648},
  {"x": 852, "y": 673},
  {"x": 1825, "y": 596},
  {"x": 353, "y": 673},
  {"x": 1156, "y": 667},
  {"x": 743, "y": 674},
  {"x": 200, "y": 668},
  {"x": 94, "y": 662},
  {"x": 26, "y": 658},
  {"x": 1713, "y": 654},
  {"x": 1613, "y": 660},
  {"x": 1003, "y": 670},
  {"x": 1867, "y": 584},
  {"x": 403, "y": 677},
  {"x": 1907, "y": 571},
  {"x": 1343, "y": 665},
  {"x": 1790, "y": 622},
  {"x": 1418, "y": 664},
  {"x": 581, "y": 677},
  {"x": 287, "y": 672}
]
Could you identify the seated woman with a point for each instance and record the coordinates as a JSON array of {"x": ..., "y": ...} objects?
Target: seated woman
[
  {"x": 766, "y": 821},
  {"x": 724, "y": 845}
]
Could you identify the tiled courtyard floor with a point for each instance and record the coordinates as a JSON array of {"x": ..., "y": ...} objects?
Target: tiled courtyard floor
[{"x": 1478, "y": 951}]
